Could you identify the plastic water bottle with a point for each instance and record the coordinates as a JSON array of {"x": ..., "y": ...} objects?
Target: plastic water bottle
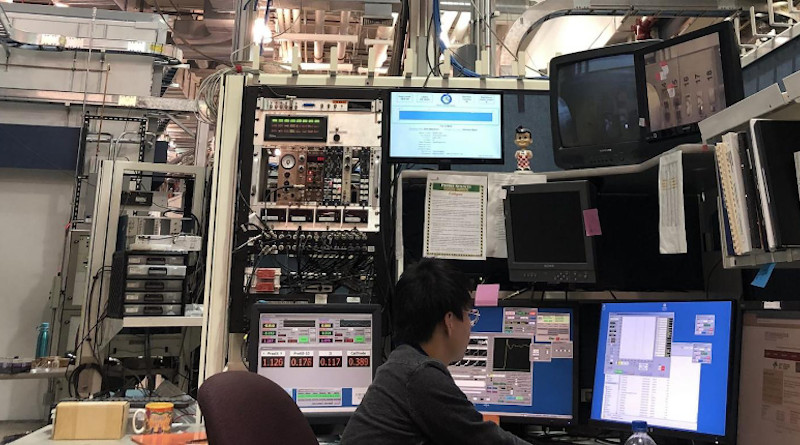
[
  {"x": 43, "y": 340},
  {"x": 639, "y": 436}
]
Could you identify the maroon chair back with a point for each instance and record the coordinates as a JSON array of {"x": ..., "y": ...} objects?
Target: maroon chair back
[{"x": 243, "y": 408}]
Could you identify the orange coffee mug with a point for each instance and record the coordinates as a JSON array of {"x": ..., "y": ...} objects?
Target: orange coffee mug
[{"x": 155, "y": 418}]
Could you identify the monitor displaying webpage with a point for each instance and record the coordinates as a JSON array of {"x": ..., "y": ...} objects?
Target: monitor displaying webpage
[{"x": 442, "y": 125}]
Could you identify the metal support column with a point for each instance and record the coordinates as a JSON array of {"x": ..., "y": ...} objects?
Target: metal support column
[{"x": 220, "y": 228}]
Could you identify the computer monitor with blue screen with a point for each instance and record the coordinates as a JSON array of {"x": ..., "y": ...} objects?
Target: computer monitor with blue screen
[
  {"x": 667, "y": 363},
  {"x": 429, "y": 126},
  {"x": 323, "y": 355},
  {"x": 519, "y": 363}
]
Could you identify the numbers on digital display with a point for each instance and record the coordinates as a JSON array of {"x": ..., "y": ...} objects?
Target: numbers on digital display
[
  {"x": 272, "y": 362},
  {"x": 330, "y": 362},
  {"x": 357, "y": 362},
  {"x": 301, "y": 362}
]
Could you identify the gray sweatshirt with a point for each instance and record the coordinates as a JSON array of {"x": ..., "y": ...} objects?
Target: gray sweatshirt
[{"x": 414, "y": 401}]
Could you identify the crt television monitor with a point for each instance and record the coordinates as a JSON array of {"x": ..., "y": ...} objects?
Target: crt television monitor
[
  {"x": 667, "y": 363},
  {"x": 435, "y": 126},
  {"x": 546, "y": 233},
  {"x": 690, "y": 78},
  {"x": 323, "y": 355},
  {"x": 520, "y": 363},
  {"x": 594, "y": 106}
]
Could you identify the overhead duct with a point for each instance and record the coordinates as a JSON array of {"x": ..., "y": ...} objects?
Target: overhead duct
[{"x": 213, "y": 35}]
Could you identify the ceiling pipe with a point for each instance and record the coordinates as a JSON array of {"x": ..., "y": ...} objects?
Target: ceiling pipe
[
  {"x": 280, "y": 30},
  {"x": 345, "y": 24},
  {"x": 461, "y": 28},
  {"x": 287, "y": 22},
  {"x": 382, "y": 50},
  {"x": 319, "y": 28},
  {"x": 296, "y": 25}
]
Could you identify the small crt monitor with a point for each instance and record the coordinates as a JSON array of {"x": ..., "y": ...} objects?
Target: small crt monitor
[
  {"x": 520, "y": 363},
  {"x": 323, "y": 355},
  {"x": 429, "y": 126},
  {"x": 667, "y": 363}
]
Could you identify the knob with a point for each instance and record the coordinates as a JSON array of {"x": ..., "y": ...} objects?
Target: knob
[{"x": 337, "y": 137}]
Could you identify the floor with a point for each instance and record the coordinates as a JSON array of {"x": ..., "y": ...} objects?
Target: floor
[{"x": 12, "y": 427}]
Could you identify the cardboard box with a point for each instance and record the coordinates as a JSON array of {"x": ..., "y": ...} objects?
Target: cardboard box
[{"x": 90, "y": 420}]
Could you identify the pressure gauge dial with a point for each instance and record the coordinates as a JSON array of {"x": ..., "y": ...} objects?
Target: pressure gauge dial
[{"x": 288, "y": 161}]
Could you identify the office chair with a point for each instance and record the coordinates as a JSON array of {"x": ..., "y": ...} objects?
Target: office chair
[{"x": 242, "y": 407}]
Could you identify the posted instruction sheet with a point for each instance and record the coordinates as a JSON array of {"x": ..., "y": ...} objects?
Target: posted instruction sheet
[{"x": 455, "y": 217}]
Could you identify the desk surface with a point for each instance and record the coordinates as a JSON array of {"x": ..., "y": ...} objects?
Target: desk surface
[{"x": 42, "y": 436}]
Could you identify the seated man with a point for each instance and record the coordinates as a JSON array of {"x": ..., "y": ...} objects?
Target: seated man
[{"x": 413, "y": 399}]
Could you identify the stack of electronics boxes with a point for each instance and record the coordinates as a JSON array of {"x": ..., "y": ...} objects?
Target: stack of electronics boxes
[{"x": 147, "y": 280}]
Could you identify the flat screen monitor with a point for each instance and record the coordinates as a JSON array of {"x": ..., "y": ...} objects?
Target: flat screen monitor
[
  {"x": 546, "y": 235},
  {"x": 428, "y": 126},
  {"x": 690, "y": 78},
  {"x": 323, "y": 355},
  {"x": 667, "y": 363},
  {"x": 520, "y": 363},
  {"x": 770, "y": 376}
]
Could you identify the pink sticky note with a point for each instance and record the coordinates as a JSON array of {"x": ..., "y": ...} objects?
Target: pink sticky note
[
  {"x": 591, "y": 222},
  {"x": 486, "y": 294}
]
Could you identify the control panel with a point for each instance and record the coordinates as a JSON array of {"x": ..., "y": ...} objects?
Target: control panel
[
  {"x": 316, "y": 163},
  {"x": 321, "y": 360},
  {"x": 313, "y": 202},
  {"x": 560, "y": 276}
]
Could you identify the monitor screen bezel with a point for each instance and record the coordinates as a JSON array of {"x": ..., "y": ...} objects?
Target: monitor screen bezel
[
  {"x": 550, "y": 304},
  {"x": 271, "y": 308},
  {"x": 428, "y": 160},
  {"x": 731, "y": 78},
  {"x": 586, "y": 191},
  {"x": 734, "y": 341}
]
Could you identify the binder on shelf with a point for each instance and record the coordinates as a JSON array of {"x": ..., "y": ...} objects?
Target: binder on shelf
[
  {"x": 731, "y": 185},
  {"x": 757, "y": 234},
  {"x": 774, "y": 144}
]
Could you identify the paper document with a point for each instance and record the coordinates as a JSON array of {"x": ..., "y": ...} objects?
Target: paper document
[
  {"x": 496, "y": 221},
  {"x": 671, "y": 217},
  {"x": 769, "y": 396},
  {"x": 455, "y": 217}
]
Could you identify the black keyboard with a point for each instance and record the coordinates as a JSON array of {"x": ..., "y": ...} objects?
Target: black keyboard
[{"x": 180, "y": 402}]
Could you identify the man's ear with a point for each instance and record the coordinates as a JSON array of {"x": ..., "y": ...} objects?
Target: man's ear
[{"x": 449, "y": 323}]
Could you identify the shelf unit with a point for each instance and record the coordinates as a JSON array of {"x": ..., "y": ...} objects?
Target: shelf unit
[
  {"x": 162, "y": 322},
  {"x": 769, "y": 103},
  {"x": 55, "y": 373}
]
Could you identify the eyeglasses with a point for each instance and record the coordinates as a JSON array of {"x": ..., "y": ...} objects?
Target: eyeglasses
[{"x": 474, "y": 315}]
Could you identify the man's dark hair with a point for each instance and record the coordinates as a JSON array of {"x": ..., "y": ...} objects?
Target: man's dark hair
[
  {"x": 523, "y": 130},
  {"x": 425, "y": 293}
]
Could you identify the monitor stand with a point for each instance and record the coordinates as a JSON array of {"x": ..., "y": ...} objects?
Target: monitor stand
[{"x": 444, "y": 164}]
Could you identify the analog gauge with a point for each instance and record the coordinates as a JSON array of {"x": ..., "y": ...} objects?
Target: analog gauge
[{"x": 288, "y": 161}]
